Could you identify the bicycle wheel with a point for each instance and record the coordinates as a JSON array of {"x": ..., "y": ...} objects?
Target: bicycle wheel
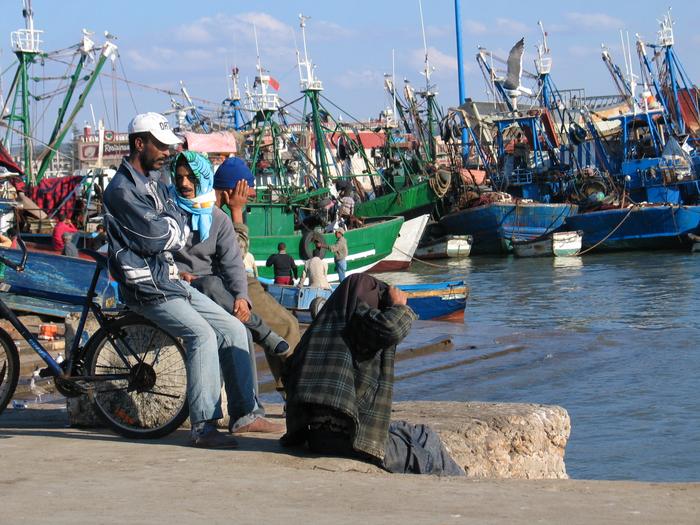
[
  {"x": 9, "y": 369},
  {"x": 143, "y": 391}
]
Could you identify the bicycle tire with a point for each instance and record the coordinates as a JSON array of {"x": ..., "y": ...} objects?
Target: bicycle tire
[
  {"x": 152, "y": 402},
  {"x": 9, "y": 369}
]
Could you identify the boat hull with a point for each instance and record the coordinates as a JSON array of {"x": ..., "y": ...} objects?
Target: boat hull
[
  {"x": 367, "y": 246},
  {"x": 409, "y": 202},
  {"x": 405, "y": 246},
  {"x": 558, "y": 244},
  {"x": 437, "y": 301},
  {"x": 494, "y": 225},
  {"x": 447, "y": 247},
  {"x": 647, "y": 228}
]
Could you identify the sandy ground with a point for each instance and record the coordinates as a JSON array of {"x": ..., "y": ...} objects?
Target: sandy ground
[{"x": 50, "y": 473}]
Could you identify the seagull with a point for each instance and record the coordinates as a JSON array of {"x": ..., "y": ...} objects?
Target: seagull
[
  {"x": 511, "y": 84},
  {"x": 36, "y": 390}
]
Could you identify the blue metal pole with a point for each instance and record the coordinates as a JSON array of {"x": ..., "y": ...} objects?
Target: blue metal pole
[{"x": 460, "y": 73}]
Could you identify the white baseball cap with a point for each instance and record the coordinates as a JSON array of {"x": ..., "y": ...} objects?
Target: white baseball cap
[{"x": 155, "y": 124}]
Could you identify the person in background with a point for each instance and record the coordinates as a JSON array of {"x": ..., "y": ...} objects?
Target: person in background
[
  {"x": 340, "y": 252},
  {"x": 144, "y": 228},
  {"x": 62, "y": 232},
  {"x": 316, "y": 269},
  {"x": 234, "y": 185},
  {"x": 340, "y": 380},
  {"x": 283, "y": 265}
]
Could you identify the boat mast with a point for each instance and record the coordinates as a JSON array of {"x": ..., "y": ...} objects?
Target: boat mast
[
  {"x": 428, "y": 94},
  {"x": 265, "y": 106},
  {"x": 312, "y": 87},
  {"x": 26, "y": 44}
]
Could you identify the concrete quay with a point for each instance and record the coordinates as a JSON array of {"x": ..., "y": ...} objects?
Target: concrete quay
[{"x": 52, "y": 473}]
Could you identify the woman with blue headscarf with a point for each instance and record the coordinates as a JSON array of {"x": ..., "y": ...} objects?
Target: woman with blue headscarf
[{"x": 211, "y": 260}]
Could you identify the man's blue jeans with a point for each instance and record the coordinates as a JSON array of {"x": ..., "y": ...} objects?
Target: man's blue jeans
[
  {"x": 216, "y": 343},
  {"x": 340, "y": 267}
]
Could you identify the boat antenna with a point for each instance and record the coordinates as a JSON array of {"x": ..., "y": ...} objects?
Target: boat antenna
[
  {"x": 427, "y": 69},
  {"x": 393, "y": 81}
]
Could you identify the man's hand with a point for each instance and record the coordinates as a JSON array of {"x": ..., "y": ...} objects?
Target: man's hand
[
  {"x": 397, "y": 296},
  {"x": 187, "y": 276},
  {"x": 241, "y": 310},
  {"x": 238, "y": 198}
]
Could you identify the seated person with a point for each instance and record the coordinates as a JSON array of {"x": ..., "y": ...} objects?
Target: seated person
[
  {"x": 339, "y": 383},
  {"x": 211, "y": 260},
  {"x": 316, "y": 269},
  {"x": 234, "y": 185},
  {"x": 62, "y": 232}
]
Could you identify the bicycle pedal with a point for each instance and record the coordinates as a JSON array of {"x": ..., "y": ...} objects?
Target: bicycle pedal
[{"x": 45, "y": 372}]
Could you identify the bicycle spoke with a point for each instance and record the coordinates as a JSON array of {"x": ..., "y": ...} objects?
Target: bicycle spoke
[{"x": 156, "y": 393}]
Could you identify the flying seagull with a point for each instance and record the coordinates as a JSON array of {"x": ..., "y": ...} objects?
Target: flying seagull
[{"x": 511, "y": 84}]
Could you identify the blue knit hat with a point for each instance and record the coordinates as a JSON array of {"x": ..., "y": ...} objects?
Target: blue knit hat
[{"x": 230, "y": 172}]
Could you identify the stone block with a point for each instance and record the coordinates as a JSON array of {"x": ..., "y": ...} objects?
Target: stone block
[{"x": 497, "y": 440}]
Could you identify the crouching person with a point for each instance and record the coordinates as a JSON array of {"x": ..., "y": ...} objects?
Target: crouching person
[
  {"x": 340, "y": 383},
  {"x": 144, "y": 228}
]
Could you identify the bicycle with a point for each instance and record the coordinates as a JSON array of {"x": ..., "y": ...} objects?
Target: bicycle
[{"x": 134, "y": 371}]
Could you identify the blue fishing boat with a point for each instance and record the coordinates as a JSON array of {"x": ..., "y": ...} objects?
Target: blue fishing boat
[
  {"x": 443, "y": 301},
  {"x": 58, "y": 274},
  {"x": 494, "y": 225},
  {"x": 637, "y": 228}
]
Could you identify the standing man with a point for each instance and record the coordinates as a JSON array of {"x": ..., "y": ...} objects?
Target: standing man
[
  {"x": 283, "y": 264},
  {"x": 340, "y": 252},
  {"x": 144, "y": 226}
]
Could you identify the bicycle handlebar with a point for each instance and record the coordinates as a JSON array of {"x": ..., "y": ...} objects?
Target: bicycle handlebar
[{"x": 19, "y": 267}]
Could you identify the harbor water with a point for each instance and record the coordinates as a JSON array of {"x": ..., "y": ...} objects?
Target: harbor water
[{"x": 613, "y": 338}]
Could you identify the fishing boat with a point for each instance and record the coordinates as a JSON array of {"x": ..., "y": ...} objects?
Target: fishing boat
[
  {"x": 443, "y": 301},
  {"x": 494, "y": 225},
  {"x": 557, "y": 244},
  {"x": 59, "y": 274},
  {"x": 445, "y": 247},
  {"x": 637, "y": 227},
  {"x": 436, "y": 244}
]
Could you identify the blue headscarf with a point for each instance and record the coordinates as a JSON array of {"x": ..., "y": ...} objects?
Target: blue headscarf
[{"x": 201, "y": 207}]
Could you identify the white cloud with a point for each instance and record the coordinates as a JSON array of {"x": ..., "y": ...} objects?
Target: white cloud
[
  {"x": 444, "y": 63},
  {"x": 583, "y": 51},
  {"x": 364, "y": 78},
  {"x": 594, "y": 20},
  {"x": 474, "y": 27},
  {"x": 511, "y": 26}
]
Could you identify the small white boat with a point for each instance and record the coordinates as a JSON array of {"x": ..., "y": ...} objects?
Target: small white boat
[
  {"x": 559, "y": 244},
  {"x": 447, "y": 246}
]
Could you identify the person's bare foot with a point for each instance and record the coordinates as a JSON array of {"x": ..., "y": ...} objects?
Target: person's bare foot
[{"x": 261, "y": 424}]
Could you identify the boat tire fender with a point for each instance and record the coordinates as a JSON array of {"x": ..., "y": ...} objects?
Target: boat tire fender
[
  {"x": 316, "y": 306},
  {"x": 308, "y": 244}
]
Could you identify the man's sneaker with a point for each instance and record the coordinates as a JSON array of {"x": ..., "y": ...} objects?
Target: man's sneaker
[
  {"x": 260, "y": 424},
  {"x": 207, "y": 436},
  {"x": 282, "y": 350}
]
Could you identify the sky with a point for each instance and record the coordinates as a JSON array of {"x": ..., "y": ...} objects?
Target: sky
[{"x": 162, "y": 43}]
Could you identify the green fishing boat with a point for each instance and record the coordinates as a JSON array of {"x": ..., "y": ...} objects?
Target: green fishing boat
[{"x": 270, "y": 224}]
